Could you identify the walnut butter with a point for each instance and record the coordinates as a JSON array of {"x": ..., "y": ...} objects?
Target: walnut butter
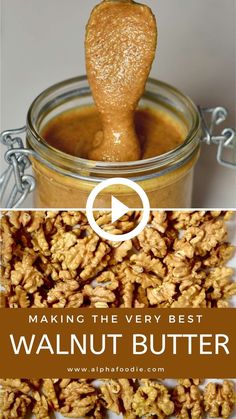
[
  {"x": 120, "y": 47},
  {"x": 144, "y": 130}
]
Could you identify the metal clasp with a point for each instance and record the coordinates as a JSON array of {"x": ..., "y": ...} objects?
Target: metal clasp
[
  {"x": 226, "y": 140},
  {"x": 18, "y": 162}
]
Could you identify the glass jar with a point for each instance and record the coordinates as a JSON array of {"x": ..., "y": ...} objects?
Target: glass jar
[{"x": 65, "y": 181}]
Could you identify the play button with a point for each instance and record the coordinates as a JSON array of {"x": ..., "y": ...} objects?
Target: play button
[{"x": 118, "y": 209}]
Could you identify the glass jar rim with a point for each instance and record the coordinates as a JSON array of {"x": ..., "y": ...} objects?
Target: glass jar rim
[{"x": 52, "y": 155}]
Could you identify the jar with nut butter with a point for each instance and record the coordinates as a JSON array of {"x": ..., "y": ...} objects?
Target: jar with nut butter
[{"x": 63, "y": 179}]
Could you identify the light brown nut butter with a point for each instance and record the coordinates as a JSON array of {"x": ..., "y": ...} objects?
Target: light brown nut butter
[{"x": 120, "y": 47}]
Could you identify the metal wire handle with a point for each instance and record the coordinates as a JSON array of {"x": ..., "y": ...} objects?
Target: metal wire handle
[
  {"x": 17, "y": 156},
  {"x": 227, "y": 138},
  {"x": 18, "y": 162}
]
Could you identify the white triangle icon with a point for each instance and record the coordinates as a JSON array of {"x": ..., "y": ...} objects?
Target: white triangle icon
[{"x": 118, "y": 209}]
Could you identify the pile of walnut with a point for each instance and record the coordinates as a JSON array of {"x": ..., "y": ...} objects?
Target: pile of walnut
[
  {"x": 131, "y": 398},
  {"x": 54, "y": 259}
]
